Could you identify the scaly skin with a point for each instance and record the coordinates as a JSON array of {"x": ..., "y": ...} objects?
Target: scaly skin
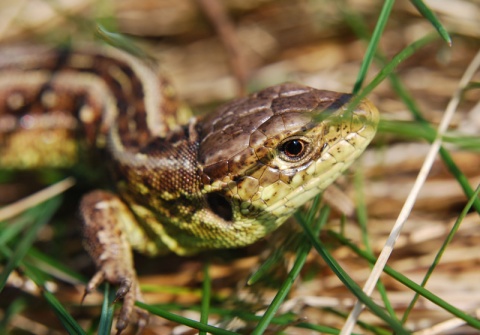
[{"x": 223, "y": 181}]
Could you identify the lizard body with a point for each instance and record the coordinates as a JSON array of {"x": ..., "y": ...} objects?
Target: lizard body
[{"x": 221, "y": 181}]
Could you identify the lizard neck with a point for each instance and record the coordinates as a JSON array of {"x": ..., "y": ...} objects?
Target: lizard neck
[{"x": 164, "y": 169}]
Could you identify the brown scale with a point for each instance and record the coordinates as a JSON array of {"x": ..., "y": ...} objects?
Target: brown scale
[
  {"x": 223, "y": 181},
  {"x": 131, "y": 121},
  {"x": 138, "y": 135}
]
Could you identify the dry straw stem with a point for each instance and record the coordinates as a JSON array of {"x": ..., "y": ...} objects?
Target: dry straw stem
[
  {"x": 443, "y": 327},
  {"x": 409, "y": 203},
  {"x": 36, "y": 198}
]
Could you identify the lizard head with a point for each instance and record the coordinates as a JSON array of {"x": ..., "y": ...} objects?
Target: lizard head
[{"x": 264, "y": 156}]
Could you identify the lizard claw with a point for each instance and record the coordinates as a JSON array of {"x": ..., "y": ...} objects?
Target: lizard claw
[
  {"x": 107, "y": 243},
  {"x": 129, "y": 292},
  {"x": 123, "y": 290}
]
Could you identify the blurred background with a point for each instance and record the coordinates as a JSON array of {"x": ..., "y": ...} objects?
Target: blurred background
[{"x": 319, "y": 43}]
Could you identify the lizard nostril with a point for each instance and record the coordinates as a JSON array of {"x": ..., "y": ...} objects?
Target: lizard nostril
[{"x": 220, "y": 206}]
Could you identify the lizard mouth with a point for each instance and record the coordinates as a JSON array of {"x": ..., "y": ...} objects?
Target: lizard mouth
[
  {"x": 345, "y": 136},
  {"x": 296, "y": 167}
]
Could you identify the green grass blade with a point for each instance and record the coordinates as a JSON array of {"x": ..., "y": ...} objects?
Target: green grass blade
[
  {"x": 372, "y": 45},
  {"x": 206, "y": 293},
  {"x": 362, "y": 221},
  {"x": 345, "y": 278},
  {"x": 71, "y": 326},
  {"x": 316, "y": 208},
  {"x": 16, "y": 307},
  {"x": 430, "y": 16},
  {"x": 184, "y": 321},
  {"x": 407, "y": 129},
  {"x": 444, "y": 154},
  {"x": 460, "y": 176},
  {"x": 358, "y": 25},
  {"x": 45, "y": 212},
  {"x": 440, "y": 253},
  {"x": 11, "y": 230},
  {"x": 118, "y": 40},
  {"x": 68, "y": 322},
  {"x": 471, "y": 143},
  {"x": 302, "y": 254},
  {"x": 108, "y": 308},
  {"x": 54, "y": 267},
  {"x": 400, "y": 90},
  {"x": 280, "y": 320},
  {"x": 474, "y": 85},
  {"x": 300, "y": 260},
  {"x": 41, "y": 214},
  {"x": 388, "y": 69},
  {"x": 263, "y": 269},
  {"x": 278, "y": 254},
  {"x": 410, "y": 284},
  {"x": 416, "y": 130}
]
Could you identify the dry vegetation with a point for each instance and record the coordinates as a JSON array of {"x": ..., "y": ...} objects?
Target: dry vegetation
[{"x": 310, "y": 42}]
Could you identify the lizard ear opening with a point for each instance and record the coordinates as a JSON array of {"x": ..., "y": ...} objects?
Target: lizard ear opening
[{"x": 220, "y": 206}]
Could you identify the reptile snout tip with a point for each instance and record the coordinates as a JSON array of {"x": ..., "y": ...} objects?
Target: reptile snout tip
[{"x": 367, "y": 111}]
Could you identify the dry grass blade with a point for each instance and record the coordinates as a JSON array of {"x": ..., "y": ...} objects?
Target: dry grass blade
[
  {"x": 318, "y": 43},
  {"x": 410, "y": 201},
  {"x": 442, "y": 327},
  {"x": 47, "y": 193},
  {"x": 217, "y": 15}
]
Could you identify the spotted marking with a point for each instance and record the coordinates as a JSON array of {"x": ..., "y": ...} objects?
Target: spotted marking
[
  {"x": 49, "y": 99},
  {"x": 15, "y": 101},
  {"x": 87, "y": 114}
]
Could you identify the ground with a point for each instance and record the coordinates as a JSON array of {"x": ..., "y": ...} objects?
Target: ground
[{"x": 321, "y": 44}]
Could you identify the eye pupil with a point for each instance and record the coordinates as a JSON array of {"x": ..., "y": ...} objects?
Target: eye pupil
[{"x": 293, "y": 148}]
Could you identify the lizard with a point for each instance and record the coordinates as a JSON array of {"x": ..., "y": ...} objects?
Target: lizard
[{"x": 224, "y": 180}]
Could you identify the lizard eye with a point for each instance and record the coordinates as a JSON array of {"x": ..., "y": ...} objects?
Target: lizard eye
[{"x": 293, "y": 150}]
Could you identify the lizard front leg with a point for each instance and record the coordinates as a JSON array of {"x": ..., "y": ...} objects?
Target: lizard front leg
[{"x": 104, "y": 217}]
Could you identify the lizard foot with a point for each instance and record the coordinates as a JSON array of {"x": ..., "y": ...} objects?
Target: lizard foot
[
  {"x": 128, "y": 291},
  {"x": 107, "y": 243}
]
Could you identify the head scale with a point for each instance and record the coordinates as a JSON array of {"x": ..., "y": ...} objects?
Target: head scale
[{"x": 265, "y": 155}]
